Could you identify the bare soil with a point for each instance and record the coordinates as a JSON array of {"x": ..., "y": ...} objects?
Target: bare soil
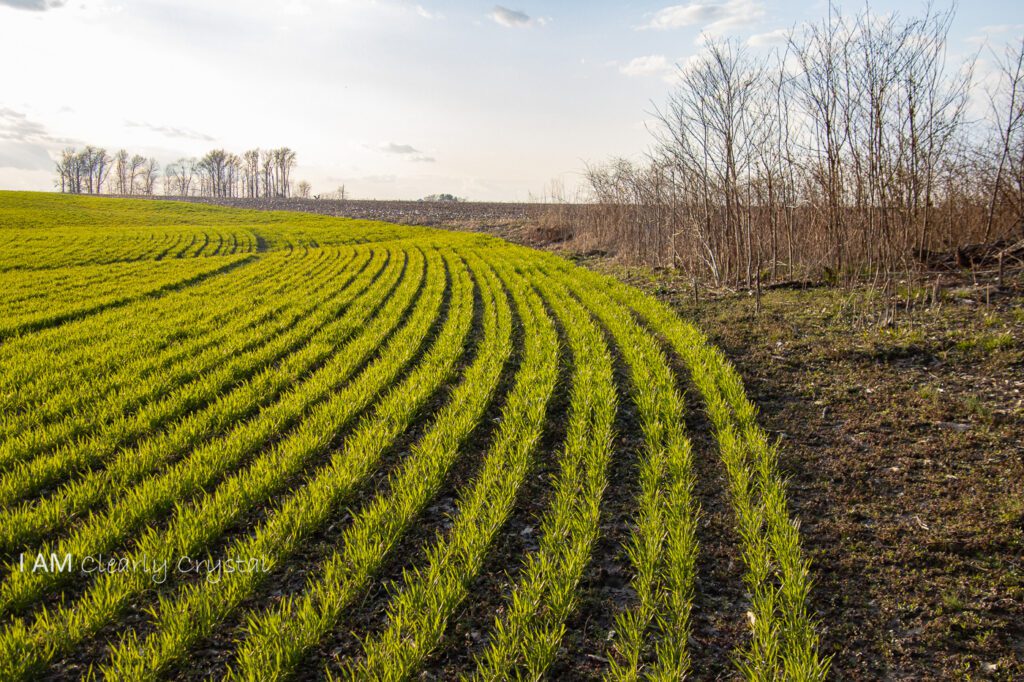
[
  {"x": 904, "y": 448},
  {"x": 520, "y": 223}
]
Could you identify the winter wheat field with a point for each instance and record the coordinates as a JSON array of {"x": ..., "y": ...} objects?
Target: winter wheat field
[{"x": 253, "y": 445}]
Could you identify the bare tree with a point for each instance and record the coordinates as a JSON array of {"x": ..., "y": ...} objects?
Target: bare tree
[
  {"x": 267, "y": 166},
  {"x": 179, "y": 177},
  {"x": 850, "y": 155},
  {"x": 70, "y": 171},
  {"x": 283, "y": 162},
  {"x": 303, "y": 189},
  {"x": 251, "y": 173},
  {"x": 215, "y": 173},
  {"x": 1007, "y": 110},
  {"x": 707, "y": 139},
  {"x": 120, "y": 172},
  {"x": 219, "y": 173},
  {"x": 148, "y": 174},
  {"x": 823, "y": 52},
  {"x": 135, "y": 165},
  {"x": 90, "y": 167}
]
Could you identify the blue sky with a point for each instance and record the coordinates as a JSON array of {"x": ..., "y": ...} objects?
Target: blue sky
[{"x": 393, "y": 98}]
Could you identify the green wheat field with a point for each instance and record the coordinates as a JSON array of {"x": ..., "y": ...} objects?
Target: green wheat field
[{"x": 191, "y": 395}]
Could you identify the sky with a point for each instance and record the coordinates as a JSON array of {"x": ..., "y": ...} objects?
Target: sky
[{"x": 391, "y": 98}]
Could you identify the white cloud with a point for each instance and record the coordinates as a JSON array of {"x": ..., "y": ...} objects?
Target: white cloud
[
  {"x": 33, "y": 5},
  {"x": 711, "y": 17},
  {"x": 650, "y": 65},
  {"x": 24, "y": 156},
  {"x": 678, "y": 16},
  {"x": 14, "y": 125},
  {"x": 172, "y": 131},
  {"x": 512, "y": 18},
  {"x": 777, "y": 37},
  {"x": 407, "y": 151},
  {"x": 393, "y": 148},
  {"x": 655, "y": 65},
  {"x": 985, "y": 33},
  {"x": 24, "y": 143}
]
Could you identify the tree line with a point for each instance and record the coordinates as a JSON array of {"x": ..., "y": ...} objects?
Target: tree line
[
  {"x": 850, "y": 151},
  {"x": 257, "y": 173}
]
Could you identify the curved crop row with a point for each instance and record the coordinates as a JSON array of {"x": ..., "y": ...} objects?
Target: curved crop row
[
  {"x": 275, "y": 639},
  {"x": 262, "y": 336},
  {"x": 419, "y": 614},
  {"x": 784, "y": 644},
  {"x": 663, "y": 545},
  {"x": 51, "y": 372},
  {"x": 24, "y": 646},
  {"x": 181, "y": 274},
  {"x": 24, "y": 524},
  {"x": 156, "y": 495},
  {"x": 232, "y": 354},
  {"x": 181, "y": 380},
  {"x": 85, "y": 357},
  {"x": 119, "y": 245},
  {"x": 197, "y": 610},
  {"x": 525, "y": 638}
]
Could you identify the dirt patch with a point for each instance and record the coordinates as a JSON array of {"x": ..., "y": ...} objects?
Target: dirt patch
[
  {"x": 902, "y": 445},
  {"x": 521, "y": 223}
]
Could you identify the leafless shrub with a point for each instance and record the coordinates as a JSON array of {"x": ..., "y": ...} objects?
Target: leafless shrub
[{"x": 847, "y": 154}]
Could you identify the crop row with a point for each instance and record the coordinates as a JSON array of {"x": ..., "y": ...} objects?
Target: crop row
[
  {"x": 784, "y": 643},
  {"x": 322, "y": 394},
  {"x": 197, "y": 369},
  {"x": 175, "y": 275},
  {"x": 663, "y": 546},
  {"x": 26, "y": 644},
  {"x": 33, "y": 254},
  {"x": 29, "y": 522},
  {"x": 367, "y": 538},
  {"x": 146, "y": 496},
  {"x": 54, "y": 371}
]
